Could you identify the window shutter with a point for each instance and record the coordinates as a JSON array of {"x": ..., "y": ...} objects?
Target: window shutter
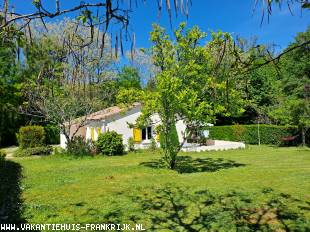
[
  {"x": 158, "y": 137},
  {"x": 92, "y": 133},
  {"x": 98, "y": 131},
  {"x": 137, "y": 135}
]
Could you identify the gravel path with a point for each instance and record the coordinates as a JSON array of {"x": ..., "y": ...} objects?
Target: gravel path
[{"x": 10, "y": 151}]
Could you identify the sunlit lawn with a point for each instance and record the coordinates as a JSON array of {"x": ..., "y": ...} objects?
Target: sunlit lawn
[{"x": 115, "y": 189}]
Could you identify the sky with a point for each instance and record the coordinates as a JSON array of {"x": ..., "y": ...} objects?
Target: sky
[{"x": 234, "y": 16}]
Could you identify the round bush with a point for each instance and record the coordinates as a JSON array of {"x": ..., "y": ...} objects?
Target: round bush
[
  {"x": 31, "y": 136},
  {"x": 110, "y": 143}
]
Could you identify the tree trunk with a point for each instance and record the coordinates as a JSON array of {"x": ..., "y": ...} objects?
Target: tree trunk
[
  {"x": 172, "y": 163},
  {"x": 303, "y": 136}
]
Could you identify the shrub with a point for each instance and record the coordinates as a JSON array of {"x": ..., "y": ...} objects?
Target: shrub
[
  {"x": 31, "y": 136},
  {"x": 78, "y": 147},
  {"x": 131, "y": 144},
  {"x": 110, "y": 143},
  {"x": 30, "y": 151},
  {"x": 153, "y": 145},
  {"x": 52, "y": 134},
  {"x": 269, "y": 134}
]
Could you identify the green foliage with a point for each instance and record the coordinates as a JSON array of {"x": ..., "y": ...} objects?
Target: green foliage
[
  {"x": 293, "y": 106},
  {"x": 170, "y": 139},
  {"x": 129, "y": 96},
  {"x": 11, "y": 41},
  {"x": 108, "y": 91},
  {"x": 10, "y": 192},
  {"x": 295, "y": 67},
  {"x": 78, "y": 147},
  {"x": 2, "y": 156},
  {"x": 261, "y": 88},
  {"x": 31, "y": 136},
  {"x": 52, "y": 134},
  {"x": 188, "y": 84},
  {"x": 129, "y": 78},
  {"x": 238, "y": 131},
  {"x": 153, "y": 145},
  {"x": 110, "y": 143},
  {"x": 31, "y": 151},
  {"x": 131, "y": 144},
  {"x": 269, "y": 134}
]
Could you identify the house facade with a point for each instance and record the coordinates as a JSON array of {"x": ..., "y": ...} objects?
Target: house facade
[{"x": 121, "y": 121}]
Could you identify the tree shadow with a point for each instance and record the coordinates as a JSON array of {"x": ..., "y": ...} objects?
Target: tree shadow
[
  {"x": 186, "y": 164},
  {"x": 174, "y": 209},
  {"x": 10, "y": 193}
]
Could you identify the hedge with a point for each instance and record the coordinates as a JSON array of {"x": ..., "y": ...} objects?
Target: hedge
[
  {"x": 31, "y": 136},
  {"x": 269, "y": 134},
  {"x": 30, "y": 151}
]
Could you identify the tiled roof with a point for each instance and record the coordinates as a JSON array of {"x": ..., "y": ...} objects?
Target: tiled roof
[
  {"x": 109, "y": 112},
  {"x": 106, "y": 113}
]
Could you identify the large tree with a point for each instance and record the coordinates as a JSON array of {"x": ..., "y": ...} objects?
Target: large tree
[
  {"x": 186, "y": 88},
  {"x": 294, "y": 101},
  {"x": 10, "y": 83}
]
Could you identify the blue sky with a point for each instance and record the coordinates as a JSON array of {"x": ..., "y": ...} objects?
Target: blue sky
[{"x": 236, "y": 17}]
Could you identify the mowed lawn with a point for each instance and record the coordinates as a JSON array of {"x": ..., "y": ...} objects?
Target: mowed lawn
[{"x": 134, "y": 188}]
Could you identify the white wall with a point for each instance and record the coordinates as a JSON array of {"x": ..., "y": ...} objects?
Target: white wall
[
  {"x": 63, "y": 141},
  {"x": 119, "y": 123},
  {"x": 94, "y": 125}
]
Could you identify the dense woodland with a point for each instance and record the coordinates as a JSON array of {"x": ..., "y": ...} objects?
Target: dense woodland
[{"x": 53, "y": 70}]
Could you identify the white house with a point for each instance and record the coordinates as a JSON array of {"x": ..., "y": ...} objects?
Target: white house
[
  {"x": 119, "y": 120},
  {"x": 122, "y": 121}
]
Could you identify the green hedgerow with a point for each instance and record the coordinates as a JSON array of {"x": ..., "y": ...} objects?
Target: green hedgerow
[
  {"x": 30, "y": 151},
  {"x": 269, "y": 134}
]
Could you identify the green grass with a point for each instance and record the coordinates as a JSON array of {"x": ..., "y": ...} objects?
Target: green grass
[{"x": 126, "y": 189}]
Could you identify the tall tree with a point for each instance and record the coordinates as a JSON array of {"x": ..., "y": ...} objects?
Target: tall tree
[
  {"x": 185, "y": 85},
  {"x": 294, "y": 102},
  {"x": 129, "y": 77},
  {"x": 11, "y": 42}
]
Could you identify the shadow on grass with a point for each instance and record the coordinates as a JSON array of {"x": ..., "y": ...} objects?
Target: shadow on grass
[
  {"x": 174, "y": 209},
  {"x": 186, "y": 164},
  {"x": 10, "y": 193}
]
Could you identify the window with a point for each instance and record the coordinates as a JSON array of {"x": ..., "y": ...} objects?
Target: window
[
  {"x": 147, "y": 133},
  {"x": 144, "y": 134}
]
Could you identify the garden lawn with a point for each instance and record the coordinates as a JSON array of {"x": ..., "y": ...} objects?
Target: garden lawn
[{"x": 130, "y": 188}]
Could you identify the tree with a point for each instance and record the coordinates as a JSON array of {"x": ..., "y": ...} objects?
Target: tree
[
  {"x": 294, "y": 102},
  {"x": 129, "y": 78},
  {"x": 65, "y": 80},
  {"x": 11, "y": 42},
  {"x": 64, "y": 108},
  {"x": 185, "y": 85},
  {"x": 91, "y": 15}
]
